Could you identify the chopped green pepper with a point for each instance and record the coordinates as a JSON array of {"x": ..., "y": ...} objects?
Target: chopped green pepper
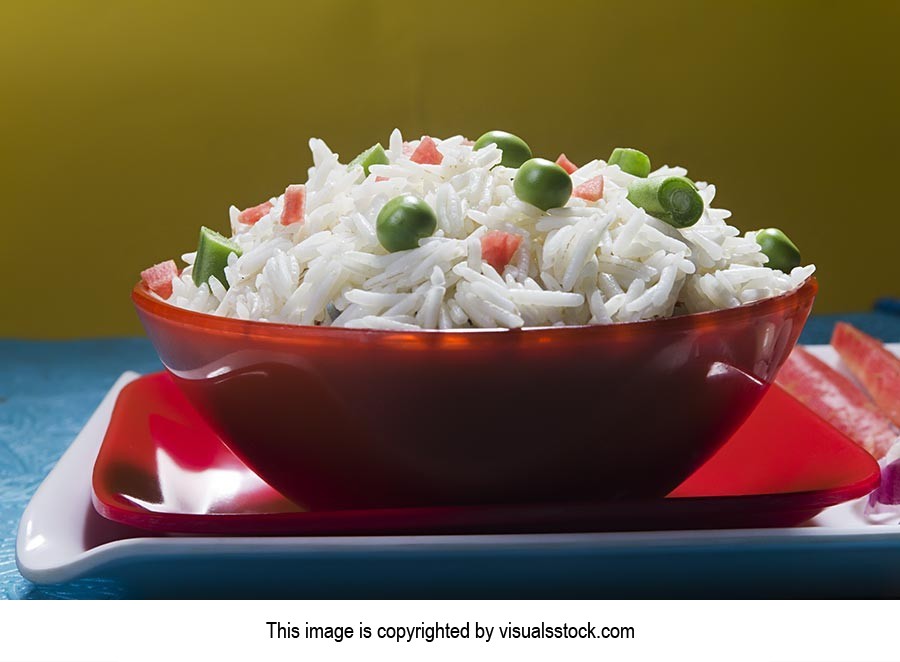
[
  {"x": 212, "y": 256},
  {"x": 375, "y": 155}
]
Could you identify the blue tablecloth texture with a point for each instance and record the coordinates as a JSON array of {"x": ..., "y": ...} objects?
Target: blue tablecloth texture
[{"x": 49, "y": 389}]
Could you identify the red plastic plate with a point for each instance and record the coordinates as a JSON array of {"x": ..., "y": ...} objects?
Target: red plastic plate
[{"x": 161, "y": 468}]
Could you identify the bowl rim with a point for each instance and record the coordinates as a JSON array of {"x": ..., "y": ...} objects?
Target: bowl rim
[{"x": 148, "y": 302}]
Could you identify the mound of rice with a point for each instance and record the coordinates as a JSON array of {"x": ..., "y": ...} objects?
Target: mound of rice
[{"x": 585, "y": 263}]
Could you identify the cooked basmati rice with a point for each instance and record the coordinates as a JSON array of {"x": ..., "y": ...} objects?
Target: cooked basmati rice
[{"x": 586, "y": 263}]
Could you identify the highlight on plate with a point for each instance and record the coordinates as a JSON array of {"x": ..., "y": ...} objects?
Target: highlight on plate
[{"x": 445, "y": 234}]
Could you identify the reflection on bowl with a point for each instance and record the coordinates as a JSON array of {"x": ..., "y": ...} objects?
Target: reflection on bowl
[{"x": 347, "y": 418}]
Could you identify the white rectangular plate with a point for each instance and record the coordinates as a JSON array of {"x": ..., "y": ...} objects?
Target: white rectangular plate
[{"x": 61, "y": 538}]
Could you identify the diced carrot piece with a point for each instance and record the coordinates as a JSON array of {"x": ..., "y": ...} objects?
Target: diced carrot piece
[
  {"x": 872, "y": 364},
  {"x": 563, "y": 162},
  {"x": 497, "y": 248},
  {"x": 427, "y": 152},
  {"x": 294, "y": 204},
  {"x": 835, "y": 398},
  {"x": 591, "y": 190},
  {"x": 252, "y": 214},
  {"x": 158, "y": 278},
  {"x": 379, "y": 178}
]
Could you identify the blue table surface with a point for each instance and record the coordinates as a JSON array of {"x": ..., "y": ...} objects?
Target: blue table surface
[{"x": 49, "y": 389}]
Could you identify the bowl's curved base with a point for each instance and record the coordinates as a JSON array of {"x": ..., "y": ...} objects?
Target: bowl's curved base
[{"x": 324, "y": 456}]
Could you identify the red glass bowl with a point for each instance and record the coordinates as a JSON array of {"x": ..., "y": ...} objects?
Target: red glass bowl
[{"x": 344, "y": 418}]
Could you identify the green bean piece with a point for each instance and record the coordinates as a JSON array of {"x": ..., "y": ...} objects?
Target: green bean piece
[
  {"x": 674, "y": 200},
  {"x": 515, "y": 150},
  {"x": 375, "y": 155},
  {"x": 212, "y": 256},
  {"x": 783, "y": 254},
  {"x": 403, "y": 221},
  {"x": 632, "y": 161}
]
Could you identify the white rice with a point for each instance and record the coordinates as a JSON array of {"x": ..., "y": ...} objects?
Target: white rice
[{"x": 586, "y": 263}]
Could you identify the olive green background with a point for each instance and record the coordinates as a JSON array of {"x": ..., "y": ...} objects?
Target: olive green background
[{"x": 127, "y": 125}]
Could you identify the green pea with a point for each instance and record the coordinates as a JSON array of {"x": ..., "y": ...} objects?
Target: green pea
[
  {"x": 403, "y": 221},
  {"x": 632, "y": 161},
  {"x": 212, "y": 256},
  {"x": 783, "y": 254},
  {"x": 375, "y": 155},
  {"x": 543, "y": 184},
  {"x": 515, "y": 150}
]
